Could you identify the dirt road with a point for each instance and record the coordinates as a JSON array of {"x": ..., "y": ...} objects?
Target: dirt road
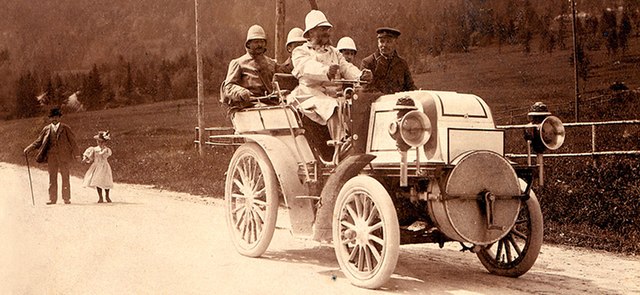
[{"x": 158, "y": 242}]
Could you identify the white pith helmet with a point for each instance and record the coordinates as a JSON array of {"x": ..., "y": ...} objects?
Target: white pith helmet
[
  {"x": 315, "y": 18},
  {"x": 255, "y": 32},
  {"x": 346, "y": 43},
  {"x": 295, "y": 35}
]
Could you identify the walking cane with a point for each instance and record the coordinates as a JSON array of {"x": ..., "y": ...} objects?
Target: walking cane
[{"x": 33, "y": 202}]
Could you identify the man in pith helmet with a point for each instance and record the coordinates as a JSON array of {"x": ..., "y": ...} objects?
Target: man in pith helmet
[
  {"x": 317, "y": 64},
  {"x": 347, "y": 47},
  {"x": 294, "y": 39},
  {"x": 249, "y": 75}
]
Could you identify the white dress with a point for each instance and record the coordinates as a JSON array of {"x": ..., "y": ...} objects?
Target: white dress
[{"x": 99, "y": 173}]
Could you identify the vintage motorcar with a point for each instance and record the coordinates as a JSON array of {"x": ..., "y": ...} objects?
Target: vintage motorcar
[{"x": 433, "y": 171}]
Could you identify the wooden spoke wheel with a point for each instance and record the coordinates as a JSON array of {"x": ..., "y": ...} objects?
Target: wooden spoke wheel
[
  {"x": 251, "y": 197},
  {"x": 515, "y": 253},
  {"x": 366, "y": 234}
]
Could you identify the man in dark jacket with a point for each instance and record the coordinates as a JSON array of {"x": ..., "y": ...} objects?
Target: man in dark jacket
[
  {"x": 390, "y": 72},
  {"x": 57, "y": 147}
]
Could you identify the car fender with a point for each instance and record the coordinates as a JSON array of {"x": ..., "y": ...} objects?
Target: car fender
[
  {"x": 346, "y": 170},
  {"x": 301, "y": 211}
]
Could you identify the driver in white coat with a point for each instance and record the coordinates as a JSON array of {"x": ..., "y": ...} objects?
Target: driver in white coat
[{"x": 317, "y": 64}]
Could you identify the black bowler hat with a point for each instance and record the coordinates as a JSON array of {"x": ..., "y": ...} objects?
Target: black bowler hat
[
  {"x": 55, "y": 112},
  {"x": 387, "y": 32}
]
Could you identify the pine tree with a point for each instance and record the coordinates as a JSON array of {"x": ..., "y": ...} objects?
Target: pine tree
[
  {"x": 60, "y": 92},
  {"x": 26, "y": 96},
  {"x": 624, "y": 31},
  {"x": 128, "y": 88},
  {"x": 609, "y": 30},
  {"x": 163, "y": 83},
  {"x": 92, "y": 89}
]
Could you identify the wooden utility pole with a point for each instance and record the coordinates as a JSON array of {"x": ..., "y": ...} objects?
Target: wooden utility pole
[
  {"x": 575, "y": 60},
  {"x": 314, "y": 4},
  {"x": 200, "y": 84},
  {"x": 280, "y": 37}
]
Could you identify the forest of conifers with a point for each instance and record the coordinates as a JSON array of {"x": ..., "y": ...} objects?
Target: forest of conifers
[{"x": 116, "y": 53}]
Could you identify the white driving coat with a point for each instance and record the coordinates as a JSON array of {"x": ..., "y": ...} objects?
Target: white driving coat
[{"x": 315, "y": 92}]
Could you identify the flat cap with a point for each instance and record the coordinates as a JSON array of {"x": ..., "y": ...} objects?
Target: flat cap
[{"x": 387, "y": 32}]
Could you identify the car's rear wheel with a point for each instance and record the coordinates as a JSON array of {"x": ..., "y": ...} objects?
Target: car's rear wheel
[
  {"x": 366, "y": 234},
  {"x": 251, "y": 197},
  {"x": 515, "y": 253}
]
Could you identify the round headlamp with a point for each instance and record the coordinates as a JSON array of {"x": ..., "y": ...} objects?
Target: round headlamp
[{"x": 414, "y": 129}]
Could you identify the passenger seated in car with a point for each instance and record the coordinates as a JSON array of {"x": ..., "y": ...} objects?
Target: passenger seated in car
[
  {"x": 347, "y": 47},
  {"x": 294, "y": 39},
  {"x": 250, "y": 75},
  {"x": 317, "y": 64}
]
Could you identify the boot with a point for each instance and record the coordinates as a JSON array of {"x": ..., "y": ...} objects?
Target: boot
[
  {"x": 108, "y": 200},
  {"x": 100, "y": 200}
]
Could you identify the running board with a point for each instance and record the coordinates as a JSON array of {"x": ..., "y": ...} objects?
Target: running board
[{"x": 317, "y": 198}]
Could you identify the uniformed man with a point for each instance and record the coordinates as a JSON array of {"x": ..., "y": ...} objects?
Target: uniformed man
[
  {"x": 294, "y": 39},
  {"x": 347, "y": 47},
  {"x": 390, "y": 72},
  {"x": 249, "y": 75}
]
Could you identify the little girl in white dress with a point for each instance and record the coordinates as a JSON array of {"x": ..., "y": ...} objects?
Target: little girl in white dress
[{"x": 99, "y": 174}]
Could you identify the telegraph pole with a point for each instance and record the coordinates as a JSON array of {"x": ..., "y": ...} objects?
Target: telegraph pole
[
  {"x": 575, "y": 60},
  {"x": 200, "y": 84},
  {"x": 280, "y": 15},
  {"x": 314, "y": 4}
]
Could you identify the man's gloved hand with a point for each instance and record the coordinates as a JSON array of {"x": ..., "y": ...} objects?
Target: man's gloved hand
[
  {"x": 246, "y": 95},
  {"x": 366, "y": 75},
  {"x": 333, "y": 70}
]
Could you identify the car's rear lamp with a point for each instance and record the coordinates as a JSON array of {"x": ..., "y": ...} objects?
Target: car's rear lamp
[{"x": 551, "y": 133}]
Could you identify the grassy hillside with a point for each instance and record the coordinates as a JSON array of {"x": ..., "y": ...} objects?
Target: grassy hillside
[
  {"x": 510, "y": 80},
  {"x": 152, "y": 144},
  {"x": 587, "y": 202}
]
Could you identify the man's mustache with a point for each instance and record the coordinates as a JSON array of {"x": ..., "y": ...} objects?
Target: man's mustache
[{"x": 260, "y": 49}]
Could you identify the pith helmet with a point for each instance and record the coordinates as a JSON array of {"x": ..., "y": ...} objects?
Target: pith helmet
[
  {"x": 346, "y": 43},
  {"x": 255, "y": 32},
  {"x": 315, "y": 18},
  {"x": 295, "y": 35}
]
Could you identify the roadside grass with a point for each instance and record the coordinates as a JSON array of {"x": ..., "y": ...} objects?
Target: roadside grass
[
  {"x": 591, "y": 202},
  {"x": 152, "y": 144}
]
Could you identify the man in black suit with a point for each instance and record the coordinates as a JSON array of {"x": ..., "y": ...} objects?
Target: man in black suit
[
  {"x": 390, "y": 71},
  {"x": 57, "y": 147}
]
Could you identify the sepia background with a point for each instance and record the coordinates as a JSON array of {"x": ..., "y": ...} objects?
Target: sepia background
[{"x": 129, "y": 67}]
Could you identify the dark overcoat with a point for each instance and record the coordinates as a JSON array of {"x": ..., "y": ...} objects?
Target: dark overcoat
[
  {"x": 389, "y": 75},
  {"x": 63, "y": 142}
]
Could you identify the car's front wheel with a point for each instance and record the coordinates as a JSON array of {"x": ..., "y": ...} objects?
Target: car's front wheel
[{"x": 366, "y": 234}]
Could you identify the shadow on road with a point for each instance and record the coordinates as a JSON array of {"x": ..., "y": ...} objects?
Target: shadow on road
[
  {"x": 73, "y": 204},
  {"x": 424, "y": 270}
]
